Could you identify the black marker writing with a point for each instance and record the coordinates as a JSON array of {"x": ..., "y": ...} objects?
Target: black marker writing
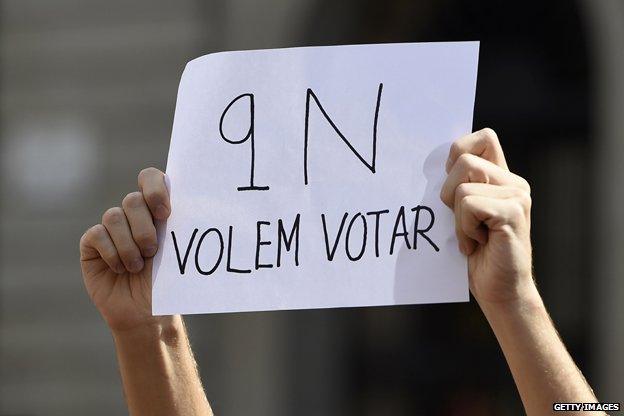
[
  {"x": 370, "y": 166},
  {"x": 229, "y": 258},
  {"x": 353, "y": 228},
  {"x": 400, "y": 218},
  {"x": 199, "y": 243},
  {"x": 364, "y": 234},
  {"x": 249, "y": 135},
  {"x": 182, "y": 263},
  {"x": 260, "y": 242},
  {"x": 281, "y": 235},
  {"x": 330, "y": 254},
  {"x": 377, "y": 214},
  {"x": 422, "y": 231}
]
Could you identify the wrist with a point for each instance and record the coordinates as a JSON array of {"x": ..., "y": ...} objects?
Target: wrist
[
  {"x": 526, "y": 301},
  {"x": 167, "y": 329}
]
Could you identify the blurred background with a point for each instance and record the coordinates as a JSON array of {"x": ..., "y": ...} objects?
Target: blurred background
[{"x": 87, "y": 96}]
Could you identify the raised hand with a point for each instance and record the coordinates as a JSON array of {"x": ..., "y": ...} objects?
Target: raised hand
[
  {"x": 492, "y": 218},
  {"x": 116, "y": 256}
]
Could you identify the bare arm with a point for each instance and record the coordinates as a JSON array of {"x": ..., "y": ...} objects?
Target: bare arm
[
  {"x": 493, "y": 214},
  {"x": 541, "y": 366},
  {"x": 158, "y": 371},
  {"x": 155, "y": 359}
]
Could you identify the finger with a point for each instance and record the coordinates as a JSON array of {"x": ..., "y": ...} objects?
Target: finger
[
  {"x": 486, "y": 189},
  {"x": 481, "y": 215},
  {"x": 118, "y": 228},
  {"x": 464, "y": 190},
  {"x": 483, "y": 143},
  {"x": 141, "y": 223},
  {"x": 152, "y": 185},
  {"x": 96, "y": 243},
  {"x": 471, "y": 168}
]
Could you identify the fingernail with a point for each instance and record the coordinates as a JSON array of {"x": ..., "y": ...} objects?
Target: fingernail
[
  {"x": 150, "y": 251},
  {"x": 162, "y": 211},
  {"x": 136, "y": 265}
]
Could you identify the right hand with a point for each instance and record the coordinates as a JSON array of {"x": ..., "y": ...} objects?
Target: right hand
[{"x": 116, "y": 256}]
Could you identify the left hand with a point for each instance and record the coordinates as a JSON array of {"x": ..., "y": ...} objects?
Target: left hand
[{"x": 493, "y": 219}]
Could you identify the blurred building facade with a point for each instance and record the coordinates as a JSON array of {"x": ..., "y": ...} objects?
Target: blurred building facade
[{"x": 87, "y": 96}]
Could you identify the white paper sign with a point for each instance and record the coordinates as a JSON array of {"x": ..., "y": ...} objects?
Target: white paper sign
[{"x": 310, "y": 178}]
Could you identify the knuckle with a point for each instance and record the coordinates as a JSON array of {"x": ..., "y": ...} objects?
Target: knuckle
[
  {"x": 526, "y": 185},
  {"x": 463, "y": 190},
  {"x": 490, "y": 135},
  {"x": 154, "y": 197},
  {"x": 132, "y": 200},
  {"x": 465, "y": 202},
  {"x": 465, "y": 160},
  {"x": 97, "y": 232},
  {"x": 455, "y": 148},
  {"x": 147, "y": 172},
  {"x": 525, "y": 201},
  {"x": 446, "y": 194},
  {"x": 145, "y": 237},
  {"x": 84, "y": 238},
  {"x": 127, "y": 251},
  {"x": 93, "y": 236},
  {"x": 110, "y": 256},
  {"x": 467, "y": 164},
  {"x": 473, "y": 171},
  {"x": 522, "y": 184},
  {"x": 470, "y": 164},
  {"x": 113, "y": 215},
  {"x": 518, "y": 210}
]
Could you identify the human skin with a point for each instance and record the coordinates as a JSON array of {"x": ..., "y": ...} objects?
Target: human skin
[
  {"x": 156, "y": 362},
  {"x": 492, "y": 208}
]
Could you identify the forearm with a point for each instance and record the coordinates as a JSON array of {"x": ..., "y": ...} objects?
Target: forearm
[
  {"x": 542, "y": 368},
  {"x": 159, "y": 372}
]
